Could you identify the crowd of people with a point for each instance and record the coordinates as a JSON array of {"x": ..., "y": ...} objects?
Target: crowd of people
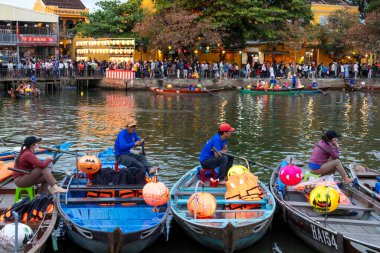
[{"x": 185, "y": 69}]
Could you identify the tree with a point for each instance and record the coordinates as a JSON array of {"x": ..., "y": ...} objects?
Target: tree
[
  {"x": 178, "y": 29},
  {"x": 366, "y": 6},
  {"x": 112, "y": 19},
  {"x": 333, "y": 36},
  {"x": 244, "y": 20},
  {"x": 364, "y": 37}
]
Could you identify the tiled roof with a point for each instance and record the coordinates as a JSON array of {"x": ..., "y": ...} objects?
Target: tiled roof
[
  {"x": 65, "y": 4},
  {"x": 333, "y": 2}
]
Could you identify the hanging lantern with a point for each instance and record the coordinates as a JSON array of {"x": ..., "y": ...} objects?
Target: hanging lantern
[
  {"x": 203, "y": 203},
  {"x": 237, "y": 170},
  {"x": 128, "y": 42},
  {"x": 290, "y": 175},
  {"x": 155, "y": 194},
  {"x": 324, "y": 199}
]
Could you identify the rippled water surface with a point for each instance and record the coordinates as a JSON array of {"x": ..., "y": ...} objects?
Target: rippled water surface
[{"x": 175, "y": 129}]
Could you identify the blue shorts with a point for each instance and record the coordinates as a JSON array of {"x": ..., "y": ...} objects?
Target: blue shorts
[{"x": 314, "y": 166}]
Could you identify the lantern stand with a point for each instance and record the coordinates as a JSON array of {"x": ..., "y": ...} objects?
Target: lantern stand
[{"x": 196, "y": 197}]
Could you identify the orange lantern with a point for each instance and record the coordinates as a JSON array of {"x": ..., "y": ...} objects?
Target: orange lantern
[
  {"x": 89, "y": 164},
  {"x": 155, "y": 194},
  {"x": 205, "y": 204}
]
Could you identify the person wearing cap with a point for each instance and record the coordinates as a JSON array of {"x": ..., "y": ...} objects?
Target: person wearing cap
[
  {"x": 319, "y": 162},
  {"x": 39, "y": 170},
  {"x": 125, "y": 141},
  {"x": 214, "y": 152}
]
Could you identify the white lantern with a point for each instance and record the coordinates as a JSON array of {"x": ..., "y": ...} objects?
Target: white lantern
[{"x": 8, "y": 236}]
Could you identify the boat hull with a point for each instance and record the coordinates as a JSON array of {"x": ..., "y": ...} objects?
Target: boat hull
[
  {"x": 287, "y": 92},
  {"x": 185, "y": 92}
]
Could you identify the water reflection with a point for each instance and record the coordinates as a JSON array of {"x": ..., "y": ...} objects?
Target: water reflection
[{"x": 175, "y": 128}]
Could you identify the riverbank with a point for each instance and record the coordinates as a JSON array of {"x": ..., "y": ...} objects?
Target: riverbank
[{"x": 139, "y": 84}]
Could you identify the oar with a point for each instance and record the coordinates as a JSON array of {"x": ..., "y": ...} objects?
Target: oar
[
  {"x": 235, "y": 156},
  {"x": 297, "y": 94},
  {"x": 44, "y": 147}
]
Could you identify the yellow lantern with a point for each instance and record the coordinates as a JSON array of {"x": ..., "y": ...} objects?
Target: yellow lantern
[
  {"x": 249, "y": 87},
  {"x": 324, "y": 199},
  {"x": 203, "y": 203},
  {"x": 237, "y": 170},
  {"x": 169, "y": 86}
]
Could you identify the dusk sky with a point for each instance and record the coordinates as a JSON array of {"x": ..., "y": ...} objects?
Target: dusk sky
[{"x": 30, "y": 3}]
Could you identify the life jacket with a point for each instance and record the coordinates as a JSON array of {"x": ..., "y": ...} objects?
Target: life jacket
[
  {"x": 37, "y": 207},
  {"x": 244, "y": 187},
  {"x": 4, "y": 172},
  {"x": 20, "y": 207}
]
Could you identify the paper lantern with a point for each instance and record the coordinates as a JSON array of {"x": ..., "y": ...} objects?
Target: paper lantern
[
  {"x": 8, "y": 234},
  {"x": 89, "y": 164},
  {"x": 237, "y": 170},
  {"x": 199, "y": 85},
  {"x": 169, "y": 86},
  {"x": 203, "y": 203},
  {"x": 290, "y": 175},
  {"x": 155, "y": 194},
  {"x": 324, "y": 199},
  {"x": 128, "y": 42},
  {"x": 249, "y": 87}
]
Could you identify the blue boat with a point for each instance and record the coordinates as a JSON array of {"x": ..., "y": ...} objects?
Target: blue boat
[
  {"x": 226, "y": 230},
  {"x": 114, "y": 223}
]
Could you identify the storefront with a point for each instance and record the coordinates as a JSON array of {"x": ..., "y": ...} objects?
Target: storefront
[{"x": 40, "y": 47}]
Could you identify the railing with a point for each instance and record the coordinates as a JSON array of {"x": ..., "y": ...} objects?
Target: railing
[
  {"x": 52, "y": 73},
  {"x": 8, "y": 39},
  {"x": 68, "y": 12},
  {"x": 7, "y": 29},
  {"x": 35, "y": 30}
]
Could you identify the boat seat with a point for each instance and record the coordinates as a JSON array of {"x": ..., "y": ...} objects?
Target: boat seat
[
  {"x": 349, "y": 221},
  {"x": 224, "y": 202},
  {"x": 102, "y": 200}
]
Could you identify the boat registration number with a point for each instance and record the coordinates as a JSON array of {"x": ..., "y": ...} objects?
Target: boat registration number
[{"x": 324, "y": 236}]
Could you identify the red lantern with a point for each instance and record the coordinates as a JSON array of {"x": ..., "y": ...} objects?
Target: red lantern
[
  {"x": 290, "y": 175},
  {"x": 155, "y": 194},
  {"x": 205, "y": 204}
]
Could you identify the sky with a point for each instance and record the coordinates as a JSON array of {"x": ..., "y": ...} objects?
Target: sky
[{"x": 30, "y": 3}]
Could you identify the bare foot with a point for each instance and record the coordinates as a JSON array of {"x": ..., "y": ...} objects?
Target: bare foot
[
  {"x": 349, "y": 180},
  {"x": 153, "y": 170}
]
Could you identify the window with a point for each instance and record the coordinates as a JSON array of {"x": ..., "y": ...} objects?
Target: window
[{"x": 322, "y": 20}]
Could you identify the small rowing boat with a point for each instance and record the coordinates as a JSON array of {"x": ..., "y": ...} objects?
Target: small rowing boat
[
  {"x": 352, "y": 87},
  {"x": 283, "y": 91},
  {"x": 42, "y": 228},
  {"x": 184, "y": 91},
  {"x": 313, "y": 90},
  {"x": 366, "y": 179},
  {"x": 111, "y": 217},
  {"x": 226, "y": 230},
  {"x": 353, "y": 227}
]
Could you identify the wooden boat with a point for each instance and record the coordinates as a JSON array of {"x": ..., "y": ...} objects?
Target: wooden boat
[
  {"x": 42, "y": 228},
  {"x": 314, "y": 90},
  {"x": 283, "y": 91},
  {"x": 15, "y": 94},
  {"x": 349, "y": 87},
  {"x": 371, "y": 88},
  {"x": 366, "y": 179},
  {"x": 184, "y": 91},
  {"x": 9, "y": 155},
  {"x": 226, "y": 230},
  {"x": 109, "y": 224},
  {"x": 354, "y": 228}
]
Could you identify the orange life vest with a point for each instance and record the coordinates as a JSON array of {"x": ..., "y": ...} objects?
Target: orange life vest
[{"x": 4, "y": 172}]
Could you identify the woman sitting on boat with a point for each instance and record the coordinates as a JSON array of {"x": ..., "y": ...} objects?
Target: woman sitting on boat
[
  {"x": 213, "y": 154},
  {"x": 39, "y": 170},
  {"x": 319, "y": 160},
  {"x": 125, "y": 141}
]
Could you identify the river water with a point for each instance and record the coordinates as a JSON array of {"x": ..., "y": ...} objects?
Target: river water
[{"x": 175, "y": 129}]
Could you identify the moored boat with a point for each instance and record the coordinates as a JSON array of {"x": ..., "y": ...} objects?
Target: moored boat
[
  {"x": 43, "y": 227},
  {"x": 353, "y": 227},
  {"x": 352, "y": 87},
  {"x": 366, "y": 179},
  {"x": 109, "y": 218},
  {"x": 283, "y": 91},
  {"x": 313, "y": 90},
  {"x": 225, "y": 230},
  {"x": 183, "y": 91}
]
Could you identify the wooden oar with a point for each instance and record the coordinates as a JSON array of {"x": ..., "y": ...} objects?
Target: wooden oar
[
  {"x": 295, "y": 93},
  {"x": 44, "y": 147}
]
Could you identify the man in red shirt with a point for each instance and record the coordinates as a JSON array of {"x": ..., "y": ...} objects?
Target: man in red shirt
[{"x": 39, "y": 170}]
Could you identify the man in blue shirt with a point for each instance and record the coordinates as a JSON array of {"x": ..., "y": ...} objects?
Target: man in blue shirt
[
  {"x": 214, "y": 152},
  {"x": 125, "y": 141}
]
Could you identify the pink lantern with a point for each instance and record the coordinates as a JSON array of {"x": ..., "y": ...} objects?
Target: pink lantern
[{"x": 290, "y": 175}]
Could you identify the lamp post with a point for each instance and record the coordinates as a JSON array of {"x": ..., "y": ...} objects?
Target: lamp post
[
  {"x": 71, "y": 37},
  {"x": 141, "y": 44}
]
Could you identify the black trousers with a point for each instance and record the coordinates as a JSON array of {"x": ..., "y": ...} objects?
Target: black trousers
[
  {"x": 224, "y": 163},
  {"x": 134, "y": 160}
]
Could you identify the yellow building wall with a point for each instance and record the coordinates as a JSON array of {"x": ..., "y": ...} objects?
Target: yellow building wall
[{"x": 325, "y": 10}]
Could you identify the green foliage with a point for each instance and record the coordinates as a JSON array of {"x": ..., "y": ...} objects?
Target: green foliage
[
  {"x": 366, "y": 6},
  {"x": 111, "y": 19}
]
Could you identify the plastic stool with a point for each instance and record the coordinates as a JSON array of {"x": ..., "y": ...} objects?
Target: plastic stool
[
  {"x": 203, "y": 174},
  {"x": 116, "y": 166},
  {"x": 28, "y": 190}
]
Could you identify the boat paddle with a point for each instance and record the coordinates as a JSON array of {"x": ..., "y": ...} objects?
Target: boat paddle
[
  {"x": 4, "y": 141},
  {"x": 236, "y": 156}
]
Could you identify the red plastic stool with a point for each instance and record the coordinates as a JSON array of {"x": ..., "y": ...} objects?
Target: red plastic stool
[{"x": 203, "y": 174}]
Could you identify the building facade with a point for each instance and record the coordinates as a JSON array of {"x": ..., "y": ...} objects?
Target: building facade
[
  {"x": 26, "y": 33},
  {"x": 70, "y": 13}
]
